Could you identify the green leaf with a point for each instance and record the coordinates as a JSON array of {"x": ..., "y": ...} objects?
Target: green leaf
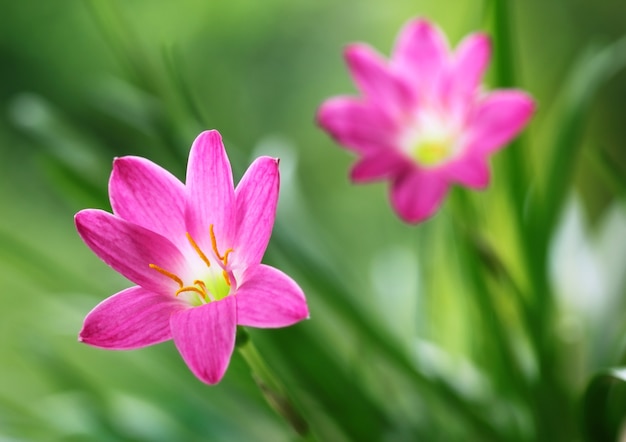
[
  {"x": 594, "y": 68},
  {"x": 604, "y": 406}
]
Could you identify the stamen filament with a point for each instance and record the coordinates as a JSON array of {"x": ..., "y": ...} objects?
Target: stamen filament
[
  {"x": 168, "y": 274},
  {"x": 197, "y": 249}
]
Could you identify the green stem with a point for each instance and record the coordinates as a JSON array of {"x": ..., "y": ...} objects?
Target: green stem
[{"x": 272, "y": 389}]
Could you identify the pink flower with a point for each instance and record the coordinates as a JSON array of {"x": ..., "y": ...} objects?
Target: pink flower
[
  {"x": 194, "y": 250},
  {"x": 423, "y": 121}
]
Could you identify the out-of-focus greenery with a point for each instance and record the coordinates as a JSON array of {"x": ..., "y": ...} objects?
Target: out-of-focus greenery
[{"x": 416, "y": 332}]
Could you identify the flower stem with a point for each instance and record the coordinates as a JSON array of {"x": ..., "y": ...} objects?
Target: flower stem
[{"x": 274, "y": 392}]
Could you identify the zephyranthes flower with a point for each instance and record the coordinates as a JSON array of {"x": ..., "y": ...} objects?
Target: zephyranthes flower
[
  {"x": 194, "y": 250},
  {"x": 423, "y": 121}
]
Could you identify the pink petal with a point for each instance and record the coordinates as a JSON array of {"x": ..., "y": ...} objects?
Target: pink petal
[
  {"x": 378, "y": 167},
  {"x": 205, "y": 337},
  {"x": 418, "y": 194},
  {"x": 377, "y": 82},
  {"x": 469, "y": 63},
  {"x": 256, "y": 198},
  {"x": 132, "y": 318},
  {"x": 421, "y": 55},
  {"x": 270, "y": 299},
  {"x": 211, "y": 193},
  {"x": 497, "y": 119},
  {"x": 147, "y": 195},
  {"x": 471, "y": 172},
  {"x": 130, "y": 249},
  {"x": 359, "y": 126}
]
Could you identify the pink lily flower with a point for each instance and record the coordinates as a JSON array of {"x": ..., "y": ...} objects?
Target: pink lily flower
[
  {"x": 194, "y": 250},
  {"x": 423, "y": 121}
]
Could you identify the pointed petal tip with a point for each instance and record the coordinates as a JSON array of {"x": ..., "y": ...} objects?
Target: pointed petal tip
[
  {"x": 417, "y": 196},
  {"x": 205, "y": 338},
  {"x": 212, "y": 138},
  {"x": 322, "y": 114},
  {"x": 351, "y": 49},
  {"x": 210, "y": 133},
  {"x": 420, "y": 26}
]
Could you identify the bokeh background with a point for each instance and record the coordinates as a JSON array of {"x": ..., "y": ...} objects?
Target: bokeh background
[{"x": 84, "y": 81}]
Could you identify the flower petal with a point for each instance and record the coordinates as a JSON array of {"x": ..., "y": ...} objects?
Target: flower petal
[
  {"x": 132, "y": 318},
  {"x": 497, "y": 119},
  {"x": 147, "y": 195},
  {"x": 357, "y": 125},
  {"x": 211, "y": 194},
  {"x": 417, "y": 195},
  {"x": 205, "y": 337},
  {"x": 468, "y": 65},
  {"x": 471, "y": 172},
  {"x": 378, "y": 167},
  {"x": 130, "y": 249},
  {"x": 256, "y": 198},
  {"x": 421, "y": 55},
  {"x": 270, "y": 299},
  {"x": 377, "y": 82}
]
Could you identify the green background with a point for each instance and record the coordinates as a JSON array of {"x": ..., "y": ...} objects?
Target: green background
[{"x": 84, "y": 81}]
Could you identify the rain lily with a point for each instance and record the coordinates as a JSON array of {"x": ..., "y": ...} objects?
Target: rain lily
[
  {"x": 423, "y": 120},
  {"x": 194, "y": 250}
]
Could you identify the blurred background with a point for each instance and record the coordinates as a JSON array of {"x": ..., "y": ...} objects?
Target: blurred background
[{"x": 84, "y": 81}]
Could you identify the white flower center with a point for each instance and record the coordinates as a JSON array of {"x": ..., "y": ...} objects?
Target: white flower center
[
  {"x": 431, "y": 139},
  {"x": 216, "y": 281}
]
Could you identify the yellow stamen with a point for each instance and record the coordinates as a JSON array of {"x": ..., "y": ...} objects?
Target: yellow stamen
[
  {"x": 166, "y": 273},
  {"x": 226, "y": 256},
  {"x": 214, "y": 243},
  {"x": 197, "y": 249},
  {"x": 226, "y": 278},
  {"x": 201, "y": 284},
  {"x": 190, "y": 289}
]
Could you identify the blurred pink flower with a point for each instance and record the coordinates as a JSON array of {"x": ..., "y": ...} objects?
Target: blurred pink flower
[
  {"x": 194, "y": 250},
  {"x": 423, "y": 121}
]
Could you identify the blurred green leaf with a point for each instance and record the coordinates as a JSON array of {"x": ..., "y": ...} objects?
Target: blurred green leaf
[
  {"x": 594, "y": 68},
  {"x": 604, "y": 406},
  {"x": 607, "y": 169}
]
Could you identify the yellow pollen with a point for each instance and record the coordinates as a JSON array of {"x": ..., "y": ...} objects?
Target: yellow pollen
[
  {"x": 226, "y": 278},
  {"x": 214, "y": 244},
  {"x": 226, "y": 253},
  {"x": 197, "y": 249},
  {"x": 190, "y": 289},
  {"x": 166, "y": 273},
  {"x": 201, "y": 284}
]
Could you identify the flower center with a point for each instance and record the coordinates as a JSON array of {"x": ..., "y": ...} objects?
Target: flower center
[
  {"x": 431, "y": 152},
  {"x": 216, "y": 283},
  {"x": 431, "y": 140}
]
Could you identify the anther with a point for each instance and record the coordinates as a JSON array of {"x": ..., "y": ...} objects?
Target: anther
[
  {"x": 168, "y": 274},
  {"x": 214, "y": 244},
  {"x": 202, "y": 285},
  {"x": 226, "y": 278},
  {"x": 197, "y": 249},
  {"x": 190, "y": 289},
  {"x": 223, "y": 258}
]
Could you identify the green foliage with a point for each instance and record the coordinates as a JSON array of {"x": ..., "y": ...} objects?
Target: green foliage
[{"x": 451, "y": 330}]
